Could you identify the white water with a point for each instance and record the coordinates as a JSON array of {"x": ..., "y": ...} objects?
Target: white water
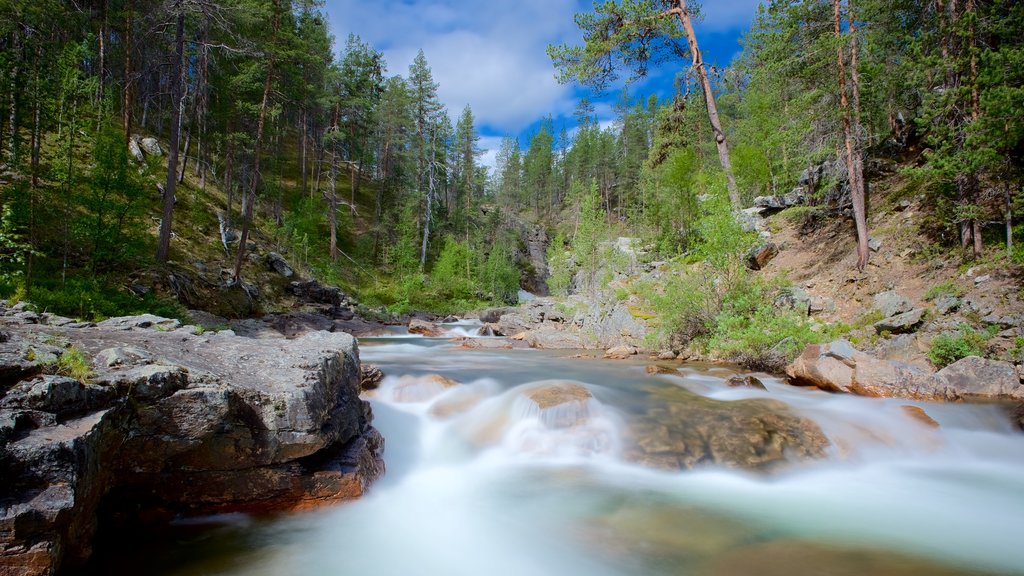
[{"x": 481, "y": 482}]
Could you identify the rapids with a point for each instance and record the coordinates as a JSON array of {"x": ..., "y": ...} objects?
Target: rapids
[{"x": 514, "y": 463}]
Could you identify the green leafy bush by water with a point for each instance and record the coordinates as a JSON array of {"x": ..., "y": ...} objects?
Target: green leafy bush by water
[{"x": 952, "y": 346}]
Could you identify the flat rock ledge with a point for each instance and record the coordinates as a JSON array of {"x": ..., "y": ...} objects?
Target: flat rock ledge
[{"x": 171, "y": 422}]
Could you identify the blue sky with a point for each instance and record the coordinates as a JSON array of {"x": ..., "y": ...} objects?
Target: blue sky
[{"x": 491, "y": 54}]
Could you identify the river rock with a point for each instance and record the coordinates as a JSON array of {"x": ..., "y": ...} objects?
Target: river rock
[
  {"x": 891, "y": 303},
  {"x": 745, "y": 381},
  {"x": 620, "y": 352},
  {"x": 214, "y": 424},
  {"x": 370, "y": 377},
  {"x": 681, "y": 430},
  {"x": 657, "y": 370},
  {"x": 838, "y": 367},
  {"x": 918, "y": 414},
  {"x": 420, "y": 388},
  {"x": 560, "y": 404},
  {"x": 313, "y": 292},
  {"x": 977, "y": 378},
  {"x": 901, "y": 323},
  {"x": 493, "y": 315},
  {"x": 424, "y": 328}
]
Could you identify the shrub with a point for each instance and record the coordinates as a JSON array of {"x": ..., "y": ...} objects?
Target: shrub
[{"x": 952, "y": 346}]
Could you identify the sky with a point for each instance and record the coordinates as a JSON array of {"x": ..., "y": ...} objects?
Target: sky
[{"x": 491, "y": 54}]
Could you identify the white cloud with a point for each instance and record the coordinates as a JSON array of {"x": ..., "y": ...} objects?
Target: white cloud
[
  {"x": 726, "y": 15},
  {"x": 490, "y": 55}
]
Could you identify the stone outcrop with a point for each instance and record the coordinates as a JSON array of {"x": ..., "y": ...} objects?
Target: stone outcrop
[
  {"x": 839, "y": 367},
  {"x": 579, "y": 323},
  {"x": 169, "y": 423}
]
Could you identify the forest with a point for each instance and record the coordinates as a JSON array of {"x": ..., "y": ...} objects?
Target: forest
[{"x": 272, "y": 128}]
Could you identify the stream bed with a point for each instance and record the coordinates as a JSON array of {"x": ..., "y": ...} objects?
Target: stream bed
[{"x": 536, "y": 463}]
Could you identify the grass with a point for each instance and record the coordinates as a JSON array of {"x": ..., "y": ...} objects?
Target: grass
[
  {"x": 72, "y": 363},
  {"x": 948, "y": 288}
]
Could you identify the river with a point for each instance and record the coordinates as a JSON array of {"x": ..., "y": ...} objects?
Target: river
[{"x": 480, "y": 482}]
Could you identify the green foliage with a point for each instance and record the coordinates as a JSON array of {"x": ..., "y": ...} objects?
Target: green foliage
[
  {"x": 13, "y": 249},
  {"x": 721, "y": 238},
  {"x": 499, "y": 276},
  {"x": 73, "y": 363},
  {"x": 671, "y": 196},
  {"x": 560, "y": 266},
  {"x": 452, "y": 275},
  {"x": 949, "y": 347},
  {"x": 88, "y": 298}
]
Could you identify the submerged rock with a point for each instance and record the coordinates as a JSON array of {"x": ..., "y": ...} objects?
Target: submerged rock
[
  {"x": 745, "y": 382},
  {"x": 420, "y": 388},
  {"x": 681, "y": 430}
]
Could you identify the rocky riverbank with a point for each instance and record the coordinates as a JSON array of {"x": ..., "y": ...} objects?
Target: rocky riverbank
[{"x": 140, "y": 419}]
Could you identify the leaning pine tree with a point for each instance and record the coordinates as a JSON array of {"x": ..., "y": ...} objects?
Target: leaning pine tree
[{"x": 631, "y": 34}]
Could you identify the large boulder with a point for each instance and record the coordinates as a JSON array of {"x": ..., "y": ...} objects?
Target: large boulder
[
  {"x": 151, "y": 146},
  {"x": 977, "y": 378},
  {"x": 175, "y": 423},
  {"x": 838, "y": 367},
  {"x": 891, "y": 303}
]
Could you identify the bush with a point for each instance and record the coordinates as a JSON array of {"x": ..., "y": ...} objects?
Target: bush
[
  {"x": 952, "y": 346},
  {"x": 89, "y": 299}
]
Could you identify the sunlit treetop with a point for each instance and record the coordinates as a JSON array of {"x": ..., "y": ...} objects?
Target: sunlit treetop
[{"x": 628, "y": 35}]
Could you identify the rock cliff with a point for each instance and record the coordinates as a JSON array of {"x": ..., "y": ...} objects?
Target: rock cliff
[{"x": 159, "y": 420}]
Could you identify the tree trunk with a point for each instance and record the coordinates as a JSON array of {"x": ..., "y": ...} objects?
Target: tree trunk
[
  {"x": 184, "y": 154},
  {"x": 100, "y": 95},
  {"x": 853, "y": 162},
  {"x": 12, "y": 117},
  {"x": 332, "y": 214},
  {"x": 164, "y": 245},
  {"x": 37, "y": 139},
  {"x": 430, "y": 205},
  {"x": 858, "y": 189},
  {"x": 128, "y": 80},
  {"x": 1009, "y": 219},
  {"x": 975, "y": 116},
  {"x": 709, "y": 100},
  {"x": 257, "y": 152}
]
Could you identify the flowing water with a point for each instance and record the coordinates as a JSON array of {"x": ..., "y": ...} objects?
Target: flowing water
[{"x": 481, "y": 481}]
